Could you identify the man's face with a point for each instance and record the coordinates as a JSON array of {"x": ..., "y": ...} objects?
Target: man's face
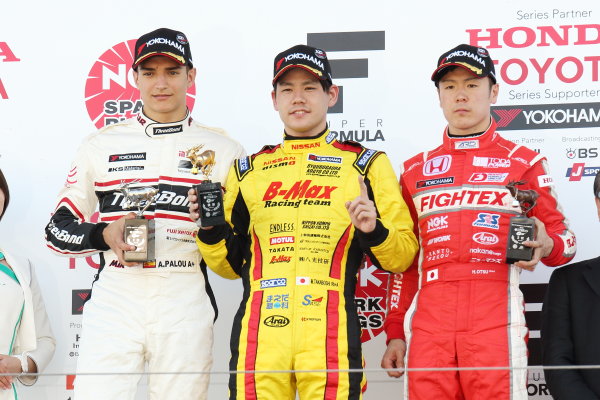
[
  {"x": 302, "y": 103},
  {"x": 163, "y": 84},
  {"x": 466, "y": 101}
]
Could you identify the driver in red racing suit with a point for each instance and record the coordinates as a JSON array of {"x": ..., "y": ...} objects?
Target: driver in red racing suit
[{"x": 468, "y": 310}]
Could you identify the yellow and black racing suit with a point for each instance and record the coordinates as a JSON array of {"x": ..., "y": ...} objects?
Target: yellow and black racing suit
[{"x": 290, "y": 238}]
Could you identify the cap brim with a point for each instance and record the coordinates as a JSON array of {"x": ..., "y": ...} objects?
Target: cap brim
[
  {"x": 438, "y": 72},
  {"x": 172, "y": 56},
  {"x": 322, "y": 77}
]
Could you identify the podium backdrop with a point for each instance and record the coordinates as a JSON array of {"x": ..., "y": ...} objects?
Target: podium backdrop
[{"x": 64, "y": 72}]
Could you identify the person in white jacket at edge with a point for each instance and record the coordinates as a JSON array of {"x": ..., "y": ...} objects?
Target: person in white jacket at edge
[{"x": 26, "y": 340}]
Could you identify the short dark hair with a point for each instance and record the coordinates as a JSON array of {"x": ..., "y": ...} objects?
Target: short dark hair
[
  {"x": 597, "y": 185},
  {"x": 452, "y": 68},
  {"x": 4, "y": 189}
]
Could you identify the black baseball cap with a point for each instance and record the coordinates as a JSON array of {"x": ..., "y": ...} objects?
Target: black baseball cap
[
  {"x": 163, "y": 42},
  {"x": 476, "y": 60},
  {"x": 308, "y": 58}
]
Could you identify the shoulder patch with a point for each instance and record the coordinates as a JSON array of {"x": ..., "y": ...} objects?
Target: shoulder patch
[
  {"x": 348, "y": 145},
  {"x": 242, "y": 167},
  {"x": 269, "y": 148},
  {"x": 525, "y": 155},
  {"x": 212, "y": 129},
  {"x": 365, "y": 159}
]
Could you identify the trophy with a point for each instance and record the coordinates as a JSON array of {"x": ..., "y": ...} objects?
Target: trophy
[
  {"x": 139, "y": 232},
  {"x": 521, "y": 227},
  {"x": 210, "y": 196}
]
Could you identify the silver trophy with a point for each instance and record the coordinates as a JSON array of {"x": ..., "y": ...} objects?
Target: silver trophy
[
  {"x": 210, "y": 196},
  {"x": 139, "y": 232}
]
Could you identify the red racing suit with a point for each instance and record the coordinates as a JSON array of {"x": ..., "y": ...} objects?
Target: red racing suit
[
  {"x": 468, "y": 310},
  {"x": 291, "y": 241}
]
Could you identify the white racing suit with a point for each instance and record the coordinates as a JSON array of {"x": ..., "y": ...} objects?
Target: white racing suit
[{"x": 161, "y": 312}]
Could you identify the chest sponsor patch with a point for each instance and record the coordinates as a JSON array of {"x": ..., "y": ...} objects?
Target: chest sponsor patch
[
  {"x": 486, "y": 177},
  {"x": 487, "y": 220},
  {"x": 167, "y": 130},
  {"x": 491, "y": 162},
  {"x": 127, "y": 157},
  {"x": 324, "y": 159},
  {"x": 271, "y": 283},
  {"x": 281, "y": 240},
  {"x": 486, "y": 238},
  {"x": 276, "y": 321},
  {"x": 436, "y": 223},
  {"x": 435, "y": 182},
  {"x": 126, "y": 168},
  {"x": 466, "y": 144},
  {"x": 462, "y": 198},
  {"x": 439, "y": 239},
  {"x": 437, "y": 166}
]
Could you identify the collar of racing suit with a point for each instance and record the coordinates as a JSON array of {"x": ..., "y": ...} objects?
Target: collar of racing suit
[
  {"x": 293, "y": 144},
  {"x": 465, "y": 143},
  {"x": 159, "y": 129}
]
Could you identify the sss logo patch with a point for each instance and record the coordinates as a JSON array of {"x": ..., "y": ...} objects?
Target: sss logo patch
[
  {"x": 370, "y": 299},
  {"x": 486, "y": 220}
]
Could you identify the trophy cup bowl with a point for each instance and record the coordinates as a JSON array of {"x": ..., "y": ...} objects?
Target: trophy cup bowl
[
  {"x": 210, "y": 195},
  {"x": 139, "y": 232}
]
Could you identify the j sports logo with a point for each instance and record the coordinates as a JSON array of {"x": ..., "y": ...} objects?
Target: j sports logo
[
  {"x": 78, "y": 298},
  {"x": 110, "y": 92},
  {"x": 547, "y": 116},
  {"x": 579, "y": 170},
  {"x": 347, "y": 68}
]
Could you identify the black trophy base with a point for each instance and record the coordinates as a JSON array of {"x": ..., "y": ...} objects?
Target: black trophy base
[
  {"x": 521, "y": 229},
  {"x": 210, "y": 203},
  {"x": 139, "y": 232}
]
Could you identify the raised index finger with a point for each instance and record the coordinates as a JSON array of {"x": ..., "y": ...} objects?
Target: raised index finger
[{"x": 363, "y": 187}]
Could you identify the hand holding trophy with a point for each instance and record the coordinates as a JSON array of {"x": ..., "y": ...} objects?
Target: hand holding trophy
[
  {"x": 521, "y": 227},
  {"x": 210, "y": 196},
  {"x": 139, "y": 232}
]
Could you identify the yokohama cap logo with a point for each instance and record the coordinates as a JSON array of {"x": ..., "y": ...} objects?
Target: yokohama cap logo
[
  {"x": 438, "y": 201},
  {"x": 437, "y": 165},
  {"x": 303, "y": 56},
  {"x": 163, "y": 41},
  {"x": 111, "y": 95},
  {"x": 463, "y": 53}
]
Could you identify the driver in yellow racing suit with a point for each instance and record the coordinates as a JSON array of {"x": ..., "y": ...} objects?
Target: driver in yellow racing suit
[{"x": 301, "y": 215}]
